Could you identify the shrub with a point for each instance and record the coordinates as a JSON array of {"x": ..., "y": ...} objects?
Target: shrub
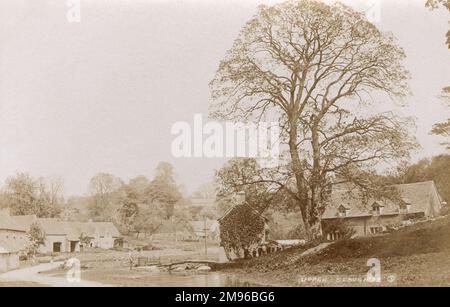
[{"x": 338, "y": 226}]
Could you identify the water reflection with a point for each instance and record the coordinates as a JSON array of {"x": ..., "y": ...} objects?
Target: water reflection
[{"x": 185, "y": 279}]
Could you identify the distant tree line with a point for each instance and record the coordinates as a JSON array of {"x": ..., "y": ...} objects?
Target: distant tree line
[
  {"x": 26, "y": 195},
  {"x": 436, "y": 168},
  {"x": 139, "y": 207}
]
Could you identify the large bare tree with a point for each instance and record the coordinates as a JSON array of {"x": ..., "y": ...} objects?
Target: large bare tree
[{"x": 318, "y": 67}]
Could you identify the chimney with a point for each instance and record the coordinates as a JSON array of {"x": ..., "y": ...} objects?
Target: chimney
[{"x": 240, "y": 197}]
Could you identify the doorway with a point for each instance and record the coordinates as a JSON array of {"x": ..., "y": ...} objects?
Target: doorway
[
  {"x": 73, "y": 246},
  {"x": 56, "y": 247}
]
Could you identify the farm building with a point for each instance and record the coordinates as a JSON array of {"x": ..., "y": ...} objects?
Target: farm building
[
  {"x": 60, "y": 236},
  {"x": 63, "y": 236},
  {"x": 418, "y": 200}
]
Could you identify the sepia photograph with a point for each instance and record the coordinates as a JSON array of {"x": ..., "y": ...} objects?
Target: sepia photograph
[{"x": 238, "y": 145}]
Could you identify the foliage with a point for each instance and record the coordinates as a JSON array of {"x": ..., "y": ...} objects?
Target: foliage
[
  {"x": 313, "y": 65},
  {"x": 436, "y": 169},
  {"x": 36, "y": 238},
  {"x": 443, "y": 129},
  {"x": 128, "y": 211},
  {"x": 340, "y": 226},
  {"x": 245, "y": 175},
  {"x": 206, "y": 191},
  {"x": 149, "y": 219},
  {"x": 138, "y": 187},
  {"x": 284, "y": 225},
  {"x": 434, "y": 4},
  {"x": 105, "y": 191},
  {"x": 84, "y": 239},
  {"x": 241, "y": 231},
  {"x": 163, "y": 189},
  {"x": 139, "y": 206},
  {"x": 26, "y": 195}
]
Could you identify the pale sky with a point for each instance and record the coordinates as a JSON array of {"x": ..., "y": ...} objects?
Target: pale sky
[{"x": 102, "y": 95}]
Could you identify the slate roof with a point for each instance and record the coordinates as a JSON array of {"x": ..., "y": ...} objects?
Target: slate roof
[{"x": 237, "y": 207}]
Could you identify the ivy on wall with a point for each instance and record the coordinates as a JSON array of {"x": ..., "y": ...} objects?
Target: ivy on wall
[{"x": 241, "y": 231}]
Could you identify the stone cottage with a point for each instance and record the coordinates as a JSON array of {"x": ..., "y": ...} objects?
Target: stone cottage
[{"x": 373, "y": 216}]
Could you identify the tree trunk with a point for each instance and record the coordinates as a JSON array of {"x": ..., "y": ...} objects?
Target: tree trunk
[
  {"x": 315, "y": 185},
  {"x": 297, "y": 168}
]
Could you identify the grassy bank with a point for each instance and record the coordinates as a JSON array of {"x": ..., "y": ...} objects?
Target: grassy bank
[{"x": 415, "y": 256}]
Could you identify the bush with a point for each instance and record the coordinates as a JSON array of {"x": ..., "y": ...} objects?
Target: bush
[{"x": 338, "y": 226}]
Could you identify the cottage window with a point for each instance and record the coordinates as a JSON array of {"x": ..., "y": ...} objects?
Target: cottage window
[
  {"x": 342, "y": 211},
  {"x": 405, "y": 207},
  {"x": 377, "y": 208}
]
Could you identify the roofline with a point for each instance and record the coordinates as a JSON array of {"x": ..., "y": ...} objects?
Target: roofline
[
  {"x": 368, "y": 215},
  {"x": 246, "y": 204},
  {"x": 13, "y": 229}
]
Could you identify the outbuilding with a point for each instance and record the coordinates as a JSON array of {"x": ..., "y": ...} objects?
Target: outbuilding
[{"x": 9, "y": 256}]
